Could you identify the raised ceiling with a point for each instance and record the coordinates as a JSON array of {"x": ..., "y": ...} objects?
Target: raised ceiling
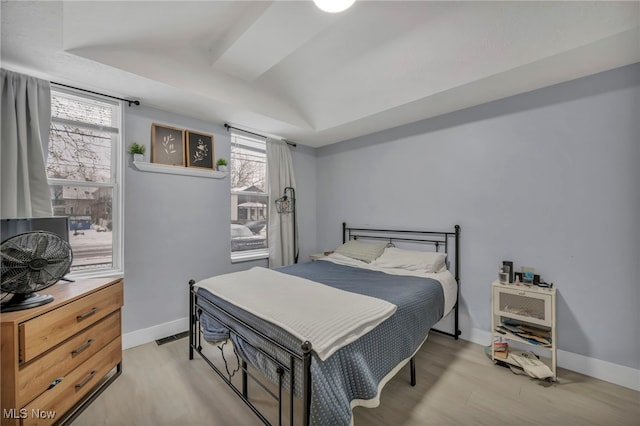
[{"x": 286, "y": 69}]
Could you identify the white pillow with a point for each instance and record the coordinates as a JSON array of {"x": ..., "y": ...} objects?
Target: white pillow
[
  {"x": 412, "y": 260},
  {"x": 367, "y": 252}
]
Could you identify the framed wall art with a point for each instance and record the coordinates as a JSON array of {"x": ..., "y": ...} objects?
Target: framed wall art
[
  {"x": 167, "y": 145},
  {"x": 200, "y": 150}
]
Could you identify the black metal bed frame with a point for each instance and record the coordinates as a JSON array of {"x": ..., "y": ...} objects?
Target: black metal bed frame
[{"x": 198, "y": 305}]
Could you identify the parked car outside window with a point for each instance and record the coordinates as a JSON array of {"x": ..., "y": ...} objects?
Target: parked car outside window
[{"x": 243, "y": 239}]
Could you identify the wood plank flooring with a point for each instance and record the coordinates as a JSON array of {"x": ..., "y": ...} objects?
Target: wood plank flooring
[{"x": 457, "y": 385}]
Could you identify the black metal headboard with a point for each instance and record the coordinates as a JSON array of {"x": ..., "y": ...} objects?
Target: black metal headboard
[{"x": 441, "y": 241}]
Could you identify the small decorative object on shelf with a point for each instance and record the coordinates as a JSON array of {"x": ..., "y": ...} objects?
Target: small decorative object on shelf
[
  {"x": 503, "y": 274},
  {"x": 527, "y": 275},
  {"x": 221, "y": 164},
  {"x": 137, "y": 151},
  {"x": 508, "y": 268},
  {"x": 526, "y": 315}
]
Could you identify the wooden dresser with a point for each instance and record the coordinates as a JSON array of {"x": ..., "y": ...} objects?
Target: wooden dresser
[{"x": 57, "y": 358}]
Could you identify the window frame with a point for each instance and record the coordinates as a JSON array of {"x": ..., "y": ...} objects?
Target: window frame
[
  {"x": 116, "y": 183},
  {"x": 249, "y": 255}
]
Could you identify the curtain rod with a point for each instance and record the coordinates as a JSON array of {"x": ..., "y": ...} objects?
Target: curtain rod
[
  {"x": 256, "y": 134},
  {"x": 135, "y": 102}
]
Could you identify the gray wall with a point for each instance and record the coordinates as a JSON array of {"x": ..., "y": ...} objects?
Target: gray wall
[
  {"x": 547, "y": 179},
  {"x": 177, "y": 227}
]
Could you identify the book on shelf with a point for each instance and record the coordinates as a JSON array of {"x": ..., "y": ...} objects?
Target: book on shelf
[
  {"x": 533, "y": 335},
  {"x": 501, "y": 354},
  {"x": 536, "y": 330},
  {"x": 535, "y": 338},
  {"x": 511, "y": 328}
]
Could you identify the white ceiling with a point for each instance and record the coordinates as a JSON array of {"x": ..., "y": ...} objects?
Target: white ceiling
[{"x": 286, "y": 69}]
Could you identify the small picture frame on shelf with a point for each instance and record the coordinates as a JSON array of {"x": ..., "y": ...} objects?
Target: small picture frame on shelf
[
  {"x": 200, "y": 150},
  {"x": 167, "y": 145}
]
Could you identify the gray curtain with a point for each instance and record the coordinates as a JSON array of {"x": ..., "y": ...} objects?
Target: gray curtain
[
  {"x": 282, "y": 249},
  {"x": 25, "y": 121}
]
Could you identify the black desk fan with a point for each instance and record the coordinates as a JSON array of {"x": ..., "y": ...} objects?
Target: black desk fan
[{"x": 31, "y": 262}]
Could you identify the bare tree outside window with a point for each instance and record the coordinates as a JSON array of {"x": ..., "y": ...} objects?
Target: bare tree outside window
[
  {"x": 78, "y": 152},
  {"x": 247, "y": 168}
]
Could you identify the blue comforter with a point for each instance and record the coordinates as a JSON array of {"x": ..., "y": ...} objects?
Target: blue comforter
[{"x": 354, "y": 371}]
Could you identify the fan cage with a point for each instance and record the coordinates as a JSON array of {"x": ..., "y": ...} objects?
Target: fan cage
[{"x": 33, "y": 261}]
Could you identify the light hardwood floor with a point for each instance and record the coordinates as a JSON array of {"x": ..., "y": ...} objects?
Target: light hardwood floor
[{"x": 457, "y": 385}]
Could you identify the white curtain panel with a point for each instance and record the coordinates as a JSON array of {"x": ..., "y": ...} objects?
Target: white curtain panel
[
  {"x": 26, "y": 117},
  {"x": 281, "y": 226}
]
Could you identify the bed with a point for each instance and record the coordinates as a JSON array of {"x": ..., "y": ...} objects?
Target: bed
[{"x": 325, "y": 336}]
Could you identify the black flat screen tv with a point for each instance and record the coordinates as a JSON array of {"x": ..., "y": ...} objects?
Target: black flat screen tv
[{"x": 58, "y": 225}]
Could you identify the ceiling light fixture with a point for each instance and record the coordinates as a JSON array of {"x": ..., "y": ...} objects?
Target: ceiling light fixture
[{"x": 334, "y": 6}]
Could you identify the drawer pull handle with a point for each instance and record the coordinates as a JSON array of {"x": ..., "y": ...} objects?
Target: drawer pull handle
[
  {"x": 82, "y": 348},
  {"x": 86, "y": 379},
  {"x": 522, "y": 293},
  {"x": 87, "y": 314}
]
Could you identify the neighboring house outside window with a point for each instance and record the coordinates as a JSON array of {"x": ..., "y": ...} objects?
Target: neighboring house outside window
[
  {"x": 84, "y": 174},
  {"x": 249, "y": 198}
]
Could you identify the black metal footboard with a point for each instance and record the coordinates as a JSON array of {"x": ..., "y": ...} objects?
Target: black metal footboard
[{"x": 198, "y": 305}]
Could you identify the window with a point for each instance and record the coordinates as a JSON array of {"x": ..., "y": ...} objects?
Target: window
[
  {"x": 84, "y": 174},
  {"x": 249, "y": 198}
]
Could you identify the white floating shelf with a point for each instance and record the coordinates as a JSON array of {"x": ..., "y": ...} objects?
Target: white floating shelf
[{"x": 143, "y": 166}]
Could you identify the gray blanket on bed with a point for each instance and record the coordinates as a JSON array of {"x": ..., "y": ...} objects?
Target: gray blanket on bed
[{"x": 354, "y": 371}]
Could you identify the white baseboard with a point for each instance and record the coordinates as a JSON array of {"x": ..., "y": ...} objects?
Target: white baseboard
[
  {"x": 146, "y": 335},
  {"x": 603, "y": 370}
]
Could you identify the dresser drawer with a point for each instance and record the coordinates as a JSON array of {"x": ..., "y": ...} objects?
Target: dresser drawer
[
  {"x": 35, "y": 377},
  {"x": 59, "y": 399},
  {"x": 45, "y": 331}
]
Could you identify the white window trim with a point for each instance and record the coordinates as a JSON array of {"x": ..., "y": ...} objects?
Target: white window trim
[
  {"x": 117, "y": 207},
  {"x": 249, "y": 255}
]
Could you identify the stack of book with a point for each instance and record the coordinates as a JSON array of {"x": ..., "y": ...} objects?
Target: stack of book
[
  {"x": 533, "y": 335},
  {"x": 501, "y": 350}
]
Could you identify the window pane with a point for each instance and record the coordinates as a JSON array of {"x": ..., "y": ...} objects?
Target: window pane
[
  {"x": 78, "y": 153},
  {"x": 249, "y": 222},
  {"x": 249, "y": 197},
  {"x": 86, "y": 110},
  {"x": 90, "y": 223},
  {"x": 82, "y": 167},
  {"x": 248, "y": 164}
]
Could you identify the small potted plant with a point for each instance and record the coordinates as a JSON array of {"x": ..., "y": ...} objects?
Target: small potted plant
[
  {"x": 137, "y": 151},
  {"x": 222, "y": 165}
]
